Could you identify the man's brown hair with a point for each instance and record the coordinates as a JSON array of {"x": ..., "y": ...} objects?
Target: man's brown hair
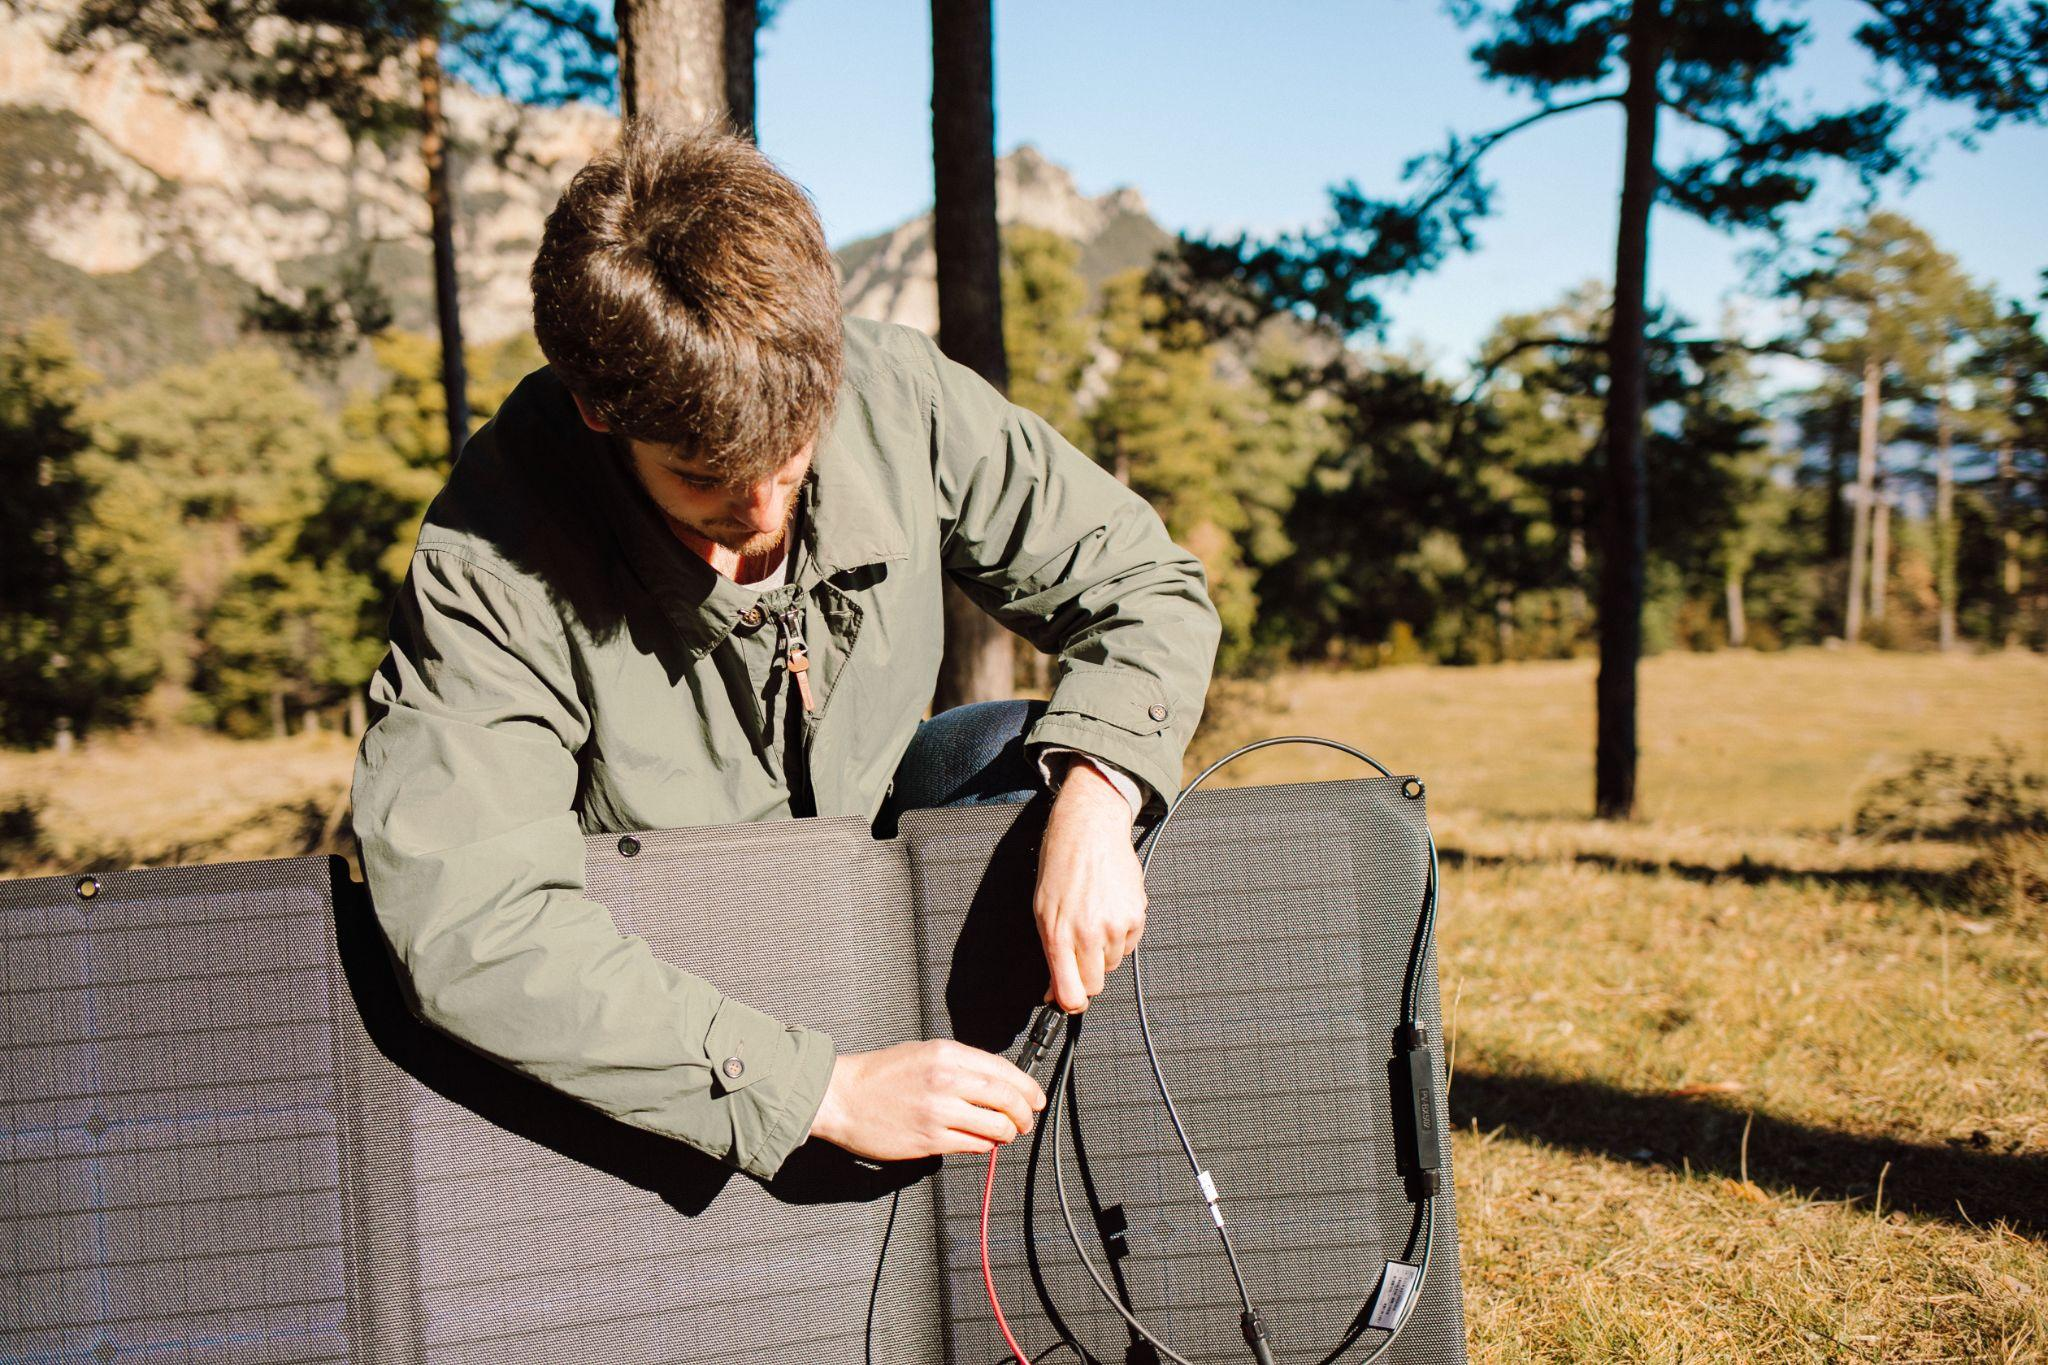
[{"x": 684, "y": 290}]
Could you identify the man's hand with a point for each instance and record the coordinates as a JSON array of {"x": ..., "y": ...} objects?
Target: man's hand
[
  {"x": 925, "y": 1099},
  {"x": 1090, "y": 903}
]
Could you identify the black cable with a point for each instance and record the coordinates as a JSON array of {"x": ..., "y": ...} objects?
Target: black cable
[
  {"x": 1095, "y": 1206},
  {"x": 1031, "y": 1262},
  {"x": 1410, "y": 1030},
  {"x": 875, "y": 1289}
]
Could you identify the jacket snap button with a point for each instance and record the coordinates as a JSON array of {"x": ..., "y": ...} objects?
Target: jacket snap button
[
  {"x": 751, "y": 616},
  {"x": 1157, "y": 712},
  {"x": 733, "y": 1068}
]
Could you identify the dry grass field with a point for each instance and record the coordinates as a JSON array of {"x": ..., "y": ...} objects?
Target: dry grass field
[{"x": 1732, "y": 1084}]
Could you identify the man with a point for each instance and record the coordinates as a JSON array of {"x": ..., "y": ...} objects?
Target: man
[{"x": 690, "y": 574}]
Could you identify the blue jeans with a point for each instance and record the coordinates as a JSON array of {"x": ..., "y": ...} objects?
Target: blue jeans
[{"x": 969, "y": 756}]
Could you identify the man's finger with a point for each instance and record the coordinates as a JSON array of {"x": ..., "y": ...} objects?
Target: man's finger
[
  {"x": 1091, "y": 955},
  {"x": 1067, "y": 989},
  {"x": 981, "y": 1121},
  {"x": 1017, "y": 1098}
]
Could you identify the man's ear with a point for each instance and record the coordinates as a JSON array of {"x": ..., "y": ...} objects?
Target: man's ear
[{"x": 590, "y": 419}]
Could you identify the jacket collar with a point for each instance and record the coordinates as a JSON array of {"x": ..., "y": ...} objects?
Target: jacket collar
[{"x": 846, "y": 517}]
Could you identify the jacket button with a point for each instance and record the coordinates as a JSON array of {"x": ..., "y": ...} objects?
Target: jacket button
[
  {"x": 1157, "y": 712},
  {"x": 751, "y": 617},
  {"x": 733, "y": 1068}
]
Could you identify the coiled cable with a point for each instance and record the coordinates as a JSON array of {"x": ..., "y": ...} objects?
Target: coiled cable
[{"x": 1410, "y": 1028}]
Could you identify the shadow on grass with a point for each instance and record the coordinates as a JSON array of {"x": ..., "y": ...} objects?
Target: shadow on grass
[
  {"x": 1934, "y": 887},
  {"x": 1957, "y": 1183}
]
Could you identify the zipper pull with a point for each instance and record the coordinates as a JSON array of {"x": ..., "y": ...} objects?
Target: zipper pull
[{"x": 798, "y": 656}]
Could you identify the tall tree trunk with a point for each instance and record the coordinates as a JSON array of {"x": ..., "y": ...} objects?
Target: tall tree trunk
[
  {"x": 1624, "y": 512},
  {"x": 1576, "y": 559},
  {"x": 693, "y": 60},
  {"x": 1836, "y": 529},
  {"x": 2008, "y": 550},
  {"x": 1880, "y": 547},
  {"x": 1945, "y": 516},
  {"x": 1738, "y": 618},
  {"x": 976, "y": 665},
  {"x": 441, "y": 217},
  {"x": 1866, "y": 479}
]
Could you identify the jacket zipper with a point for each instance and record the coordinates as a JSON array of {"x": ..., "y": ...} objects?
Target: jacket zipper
[{"x": 796, "y": 655}]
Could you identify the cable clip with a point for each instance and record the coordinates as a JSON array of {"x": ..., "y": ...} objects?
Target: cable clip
[{"x": 1208, "y": 1184}]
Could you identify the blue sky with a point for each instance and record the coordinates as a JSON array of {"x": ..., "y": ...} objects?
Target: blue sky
[{"x": 1229, "y": 116}]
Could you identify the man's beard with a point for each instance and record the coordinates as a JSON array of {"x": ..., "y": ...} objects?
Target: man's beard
[{"x": 748, "y": 544}]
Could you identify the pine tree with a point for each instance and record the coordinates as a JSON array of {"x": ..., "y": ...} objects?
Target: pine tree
[
  {"x": 1045, "y": 325},
  {"x": 66, "y": 622},
  {"x": 1713, "y": 65},
  {"x": 1890, "y": 311},
  {"x": 203, "y": 467}
]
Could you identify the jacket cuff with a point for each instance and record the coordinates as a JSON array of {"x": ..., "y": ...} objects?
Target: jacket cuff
[
  {"x": 1133, "y": 790},
  {"x": 1122, "y": 715},
  {"x": 772, "y": 1079}
]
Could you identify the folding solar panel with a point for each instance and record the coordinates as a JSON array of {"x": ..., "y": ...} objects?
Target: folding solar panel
[{"x": 226, "y": 1137}]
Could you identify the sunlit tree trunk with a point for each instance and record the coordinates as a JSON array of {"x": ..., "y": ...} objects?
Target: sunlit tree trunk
[
  {"x": 1576, "y": 559},
  {"x": 1880, "y": 547},
  {"x": 1945, "y": 519},
  {"x": 2008, "y": 549},
  {"x": 1866, "y": 478},
  {"x": 1624, "y": 512},
  {"x": 1738, "y": 619},
  {"x": 692, "y": 60},
  {"x": 977, "y": 663},
  {"x": 441, "y": 221}
]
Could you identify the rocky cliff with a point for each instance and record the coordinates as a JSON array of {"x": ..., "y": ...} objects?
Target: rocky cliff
[{"x": 150, "y": 224}]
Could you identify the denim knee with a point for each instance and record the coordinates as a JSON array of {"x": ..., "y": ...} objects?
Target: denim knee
[{"x": 969, "y": 755}]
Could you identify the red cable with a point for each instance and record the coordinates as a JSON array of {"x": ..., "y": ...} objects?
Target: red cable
[{"x": 988, "y": 1275}]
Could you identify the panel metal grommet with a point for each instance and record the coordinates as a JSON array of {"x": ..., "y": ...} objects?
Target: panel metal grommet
[
  {"x": 87, "y": 888},
  {"x": 629, "y": 847},
  {"x": 1412, "y": 788}
]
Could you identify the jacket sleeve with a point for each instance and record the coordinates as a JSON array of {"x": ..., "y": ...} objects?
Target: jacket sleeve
[
  {"x": 1054, "y": 772},
  {"x": 1048, "y": 542},
  {"x": 463, "y": 809}
]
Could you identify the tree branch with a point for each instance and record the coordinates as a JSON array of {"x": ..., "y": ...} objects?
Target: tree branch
[
  {"x": 1733, "y": 132},
  {"x": 1486, "y": 142}
]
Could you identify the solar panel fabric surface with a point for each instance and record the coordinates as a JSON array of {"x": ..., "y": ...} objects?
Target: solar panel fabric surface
[{"x": 227, "y": 1138}]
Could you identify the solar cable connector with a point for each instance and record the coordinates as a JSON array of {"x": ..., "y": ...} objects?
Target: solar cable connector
[
  {"x": 1255, "y": 1336},
  {"x": 1414, "y": 1073},
  {"x": 1039, "y": 1041}
]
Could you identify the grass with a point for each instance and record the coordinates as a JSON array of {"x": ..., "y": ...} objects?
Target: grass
[
  {"x": 1690, "y": 1051},
  {"x": 1730, "y": 1084}
]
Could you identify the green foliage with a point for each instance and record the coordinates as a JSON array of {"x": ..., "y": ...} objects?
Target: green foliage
[
  {"x": 1884, "y": 292},
  {"x": 65, "y": 622},
  {"x": 1045, "y": 329},
  {"x": 324, "y": 327},
  {"x": 380, "y": 477},
  {"x": 205, "y": 467},
  {"x": 1218, "y": 460}
]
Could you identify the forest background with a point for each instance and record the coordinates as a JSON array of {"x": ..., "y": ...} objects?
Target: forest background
[
  {"x": 1701, "y": 392},
  {"x": 216, "y": 542}
]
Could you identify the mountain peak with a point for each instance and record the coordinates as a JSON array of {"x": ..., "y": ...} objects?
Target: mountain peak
[{"x": 893, "y": 276}]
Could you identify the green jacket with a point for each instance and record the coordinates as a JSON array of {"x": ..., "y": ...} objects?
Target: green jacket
[{"x": 561, "y": 665}]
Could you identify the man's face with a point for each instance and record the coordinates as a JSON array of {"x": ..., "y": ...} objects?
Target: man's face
[{"x": 751, "y": 519}]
